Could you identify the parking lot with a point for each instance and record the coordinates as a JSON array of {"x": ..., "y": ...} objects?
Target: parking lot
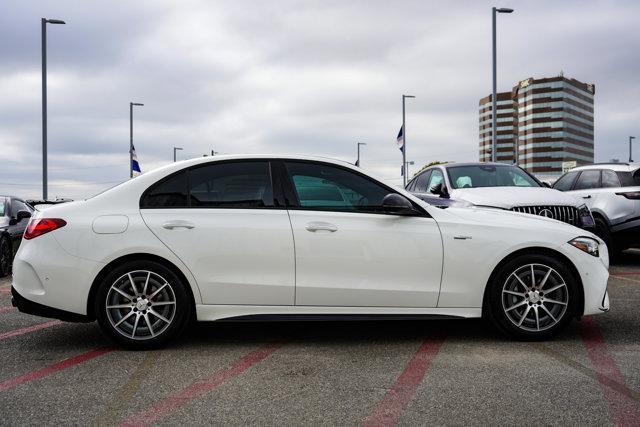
[{"x": 377, "y": 373}]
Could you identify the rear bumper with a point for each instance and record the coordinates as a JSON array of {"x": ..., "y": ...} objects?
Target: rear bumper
[{"x": 30, "y": 307}]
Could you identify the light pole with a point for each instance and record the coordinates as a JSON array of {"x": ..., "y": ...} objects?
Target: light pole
[
  {"x": 404, "y": 141},
  {"x": 131, "y": 105},
  {"x": 43, "y": 31},
  {"x": 494, "y": 103},
  {"x": 359, "y": 144},
  {"x": 174, "y": 153},
  {"x": 631, "y": 138}
]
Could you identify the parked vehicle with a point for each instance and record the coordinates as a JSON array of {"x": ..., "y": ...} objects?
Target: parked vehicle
[
  {"x": 612, "y": 192},
  {"x": 14, "y": 216},
  {"x": 502, "y": 186},
  {"x": 243, "y": 237}
]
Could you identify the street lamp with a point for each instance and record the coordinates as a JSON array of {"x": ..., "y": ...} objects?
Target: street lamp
[
  {"x": 174, "y": 153},
  {"x": 43, "y": 31},
  {"x": 359, "y": 144},
  {"x": 131, "y": 105},
  {"x": 494, "y": 103},
  {"x": 631, "y": 138},
  {"x": 404, "y": 141}
]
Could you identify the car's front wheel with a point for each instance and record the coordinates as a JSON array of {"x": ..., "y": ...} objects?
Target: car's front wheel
[
  {"x": 142, "y": 305},
  {"x": 532, "y": 297}
]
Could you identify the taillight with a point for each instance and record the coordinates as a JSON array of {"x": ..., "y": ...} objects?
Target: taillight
[
  {"x": 39, "y": 226},
  {"x": 633, "y": 195}
]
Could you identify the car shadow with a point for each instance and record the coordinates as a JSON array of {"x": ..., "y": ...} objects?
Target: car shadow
[{"x": 630, "y": 257}]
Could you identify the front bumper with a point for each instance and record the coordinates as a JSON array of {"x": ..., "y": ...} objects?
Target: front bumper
[{"x": 30, "y": 307}]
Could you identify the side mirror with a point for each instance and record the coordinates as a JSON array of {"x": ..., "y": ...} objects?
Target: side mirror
[
  {"x": 22, "y": 215},
  {"x": 441, "y": 190},
  {"x": 397, "y": 204}
]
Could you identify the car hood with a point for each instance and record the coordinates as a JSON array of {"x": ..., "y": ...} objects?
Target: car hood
[{"x": 509, "y": 197}]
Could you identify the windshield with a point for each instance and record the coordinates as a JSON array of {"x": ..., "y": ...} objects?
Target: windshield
[{"x": 475, "y": 176}]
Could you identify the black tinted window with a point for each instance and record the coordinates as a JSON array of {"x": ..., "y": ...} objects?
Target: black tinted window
[
  {"x": 170, "y": 193},
  {"x": 610, "y": 179},
  {"x": 629, "y": 179},
  {"x": 566, "y": 181},
  {"x": 17, "y": 206},
  {"x": 588, "y": 179},
  {"x": 231, "y": 185},
  {"x": 421, "y": 182},
  {"x": 326, "y": 187}
]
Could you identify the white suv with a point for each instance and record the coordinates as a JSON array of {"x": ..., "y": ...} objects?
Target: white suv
[
  {"x": 502, "y": 186},
  {"x": 612, "y": 192}
]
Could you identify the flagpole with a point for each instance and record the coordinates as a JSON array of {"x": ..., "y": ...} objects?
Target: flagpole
[
  {"x": 131, "y": 104},
  {"x": 404, "y": 142}
]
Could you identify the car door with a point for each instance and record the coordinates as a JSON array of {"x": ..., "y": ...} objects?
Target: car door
[
  {"x": 348, "y": 252},
  {"x": 224, "y": 222}
]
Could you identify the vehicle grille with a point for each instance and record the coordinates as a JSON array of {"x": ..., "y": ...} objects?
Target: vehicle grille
[{"x": 568, "y": 214}]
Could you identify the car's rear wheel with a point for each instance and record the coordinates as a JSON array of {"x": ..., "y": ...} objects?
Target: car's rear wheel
[
  {"x": 532, "y": 297},
  {"x": 142, "y": 305},
  {"x": 5, "y": 257}
]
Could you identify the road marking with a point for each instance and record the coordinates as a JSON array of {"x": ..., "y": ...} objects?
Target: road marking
[
  {"x": 5, "y": 291},
  {"x": 627, "y": 279},
  {"x": 64, "y": 364},
  {"x": 124, "y": 396},
  {"x": 6, "y": 308},
  {"x": 388, "y": 411},
  {"x": 624, "y": 273},
  {"x": 175, "y": 401},
  {"x": 28, "y": 329},
  {"x": 622, "y": 407}
]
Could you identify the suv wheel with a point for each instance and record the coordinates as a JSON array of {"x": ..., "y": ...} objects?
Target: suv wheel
[
  {"x": 532, "y": 297},
  {"x": 142, "y": 305}
]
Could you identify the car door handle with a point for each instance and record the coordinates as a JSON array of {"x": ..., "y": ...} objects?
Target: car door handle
[
  {"x": 587, "y": 197},
  {"x": 170, "y": 225},
  {"x": 321, "y": 226}
]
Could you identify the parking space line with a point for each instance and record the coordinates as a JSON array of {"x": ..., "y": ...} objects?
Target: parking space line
[
  {"x": 64, "y": 364},
  {"x": 29, "y": 329},
  {"x": 624, "y": 273},
  {"x": 623, "y": 408},
  {"x": 627, "y": 279},
  {"x": 388, "y": 411},
  {"x": 175, "y": 401}
]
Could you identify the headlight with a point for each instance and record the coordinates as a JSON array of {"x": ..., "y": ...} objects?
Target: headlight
[
  {"x": 585, "y": 217},
  {"x": 586, "y": 244}
]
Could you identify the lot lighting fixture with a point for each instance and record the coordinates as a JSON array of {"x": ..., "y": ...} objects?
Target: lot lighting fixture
[
  {"x": 174, "y": 153},
  {"x": 494, "y": 102}
]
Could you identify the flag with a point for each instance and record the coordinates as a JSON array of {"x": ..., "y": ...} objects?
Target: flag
[
  {"x": 135, "y": 166},
  {"x": 400, "y": 139}
]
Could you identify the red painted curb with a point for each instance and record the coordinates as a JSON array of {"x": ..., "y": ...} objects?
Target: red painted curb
[
  {"x": 67, "y": 363},
  {"x": 622, "y": 407},
  {"x": 392, "y": 405},
  {"x": 175, "y": 401}
]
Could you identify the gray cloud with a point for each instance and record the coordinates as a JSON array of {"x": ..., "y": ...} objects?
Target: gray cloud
[{"x": 289, "y": 77}]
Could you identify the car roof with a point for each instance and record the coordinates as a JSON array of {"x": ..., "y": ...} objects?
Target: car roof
[
  {"x": 473, "y": 164},
  {"x": 618, "y": 167}
]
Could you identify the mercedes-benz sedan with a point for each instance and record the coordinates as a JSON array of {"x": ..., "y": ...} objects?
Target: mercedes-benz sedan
[{"x": 264, "y": 237}]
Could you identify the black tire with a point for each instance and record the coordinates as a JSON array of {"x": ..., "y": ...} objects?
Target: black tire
[
  {"x": 503, "y": 308},
  {"x": 149, "y": 331},
  {"x": 602, "y": 231},
  {"x": 6, "y": 256}
]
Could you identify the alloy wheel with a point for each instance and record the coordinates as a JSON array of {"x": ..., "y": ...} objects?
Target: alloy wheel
[
  {"x": 535, "y": 297},
  {"x": 140, "y": 305}
]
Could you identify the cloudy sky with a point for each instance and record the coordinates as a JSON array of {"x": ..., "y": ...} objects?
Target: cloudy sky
[{"x": 307, "y": 77}]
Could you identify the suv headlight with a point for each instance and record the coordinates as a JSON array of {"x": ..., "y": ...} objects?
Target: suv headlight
[
  {"x": 585, "y": 217},
  {"x": 586, "y": 244}
]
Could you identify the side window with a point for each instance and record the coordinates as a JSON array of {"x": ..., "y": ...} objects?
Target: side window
[
  {"x": 170, "y": 193},
  {"x": 566, "y": 181},
  {"x": 609, "y": 179},
  {"x": 16, "y": 206},
  {"x": 422, "y": 181},
  {"x": 231, "y": 185},
  {"x": 588, "y": 179},
  {"x": 436, "y": 178},
  {"x": 325, "y": 187}
]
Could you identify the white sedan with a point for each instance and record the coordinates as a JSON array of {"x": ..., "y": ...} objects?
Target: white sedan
[{"x": 271, "y": 237}]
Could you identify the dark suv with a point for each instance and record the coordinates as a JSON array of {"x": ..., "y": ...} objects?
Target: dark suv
[{"x": 14, "y": 217}]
